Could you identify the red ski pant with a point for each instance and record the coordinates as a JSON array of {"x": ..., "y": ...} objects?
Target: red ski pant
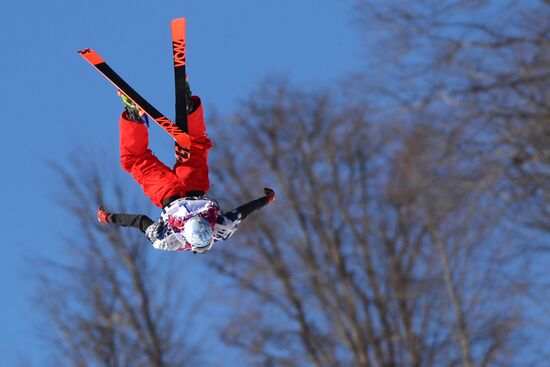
[{"x": 157, "y": 180}]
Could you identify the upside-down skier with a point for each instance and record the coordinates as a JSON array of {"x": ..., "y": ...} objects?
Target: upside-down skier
[{"x": 190, "y": 220}]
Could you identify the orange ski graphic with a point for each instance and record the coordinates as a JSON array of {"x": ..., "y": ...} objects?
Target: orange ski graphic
[{"x": 180, "y": 76}]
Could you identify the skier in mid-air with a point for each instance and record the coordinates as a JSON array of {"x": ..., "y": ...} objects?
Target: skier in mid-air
[{"x": 190, "y": 220}]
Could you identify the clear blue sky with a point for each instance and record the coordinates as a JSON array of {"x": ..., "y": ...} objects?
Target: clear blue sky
[{"x": 52, "y": 101}]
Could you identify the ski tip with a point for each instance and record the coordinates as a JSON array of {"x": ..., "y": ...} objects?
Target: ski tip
[
  {"x": 92, "y": 56},
  {"x": 178, "y": 42},
  {"x": 178, "y": 20},
  {"x": 178, "y": 27}
]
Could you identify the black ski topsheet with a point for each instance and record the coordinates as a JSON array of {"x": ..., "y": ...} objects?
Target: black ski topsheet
[
  {"x": 179, "y": 49},
  {"x": 179, "y": 135}
]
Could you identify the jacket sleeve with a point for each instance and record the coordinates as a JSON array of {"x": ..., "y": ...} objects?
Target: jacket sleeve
[
  {"x": 139, "y": 221},
  {"x": 228, "y": 223}
]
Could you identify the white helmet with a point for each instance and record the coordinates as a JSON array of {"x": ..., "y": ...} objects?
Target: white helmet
[{"x": 198, "y": 233}]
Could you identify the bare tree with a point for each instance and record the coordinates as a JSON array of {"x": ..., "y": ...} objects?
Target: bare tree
[
  {"x": 107, "y": 302},
  {"x": 482, "y": 64},
  {"x": 481, "y": 67},
  {"x": 379, "y": 250}
]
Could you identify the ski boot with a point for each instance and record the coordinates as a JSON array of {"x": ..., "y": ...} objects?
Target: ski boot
[
  {"x": 191, "y": 106},
  {"x": 182, "y": 155},
  {"x": 132, "y": 110}
]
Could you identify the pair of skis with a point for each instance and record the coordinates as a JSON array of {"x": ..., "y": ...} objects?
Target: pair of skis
[{"x": 178, "y": 130}]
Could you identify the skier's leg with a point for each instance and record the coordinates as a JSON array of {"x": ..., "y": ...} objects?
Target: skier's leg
[
  {"x": 193, "y": 172},
  {"x": 156, "y": 179}
]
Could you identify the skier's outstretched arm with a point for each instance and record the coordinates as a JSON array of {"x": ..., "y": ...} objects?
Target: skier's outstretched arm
[
  {"x": 250, "y": 207},
  {"x": 139, "y": 221},
  {"x": 157, "y": 232},
  {"x": 228, "y": 223}
]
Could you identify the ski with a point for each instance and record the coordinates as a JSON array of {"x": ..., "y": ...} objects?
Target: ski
[
  {"x": 178, "y": 134},
  {"x": 179, "y": 51}
]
